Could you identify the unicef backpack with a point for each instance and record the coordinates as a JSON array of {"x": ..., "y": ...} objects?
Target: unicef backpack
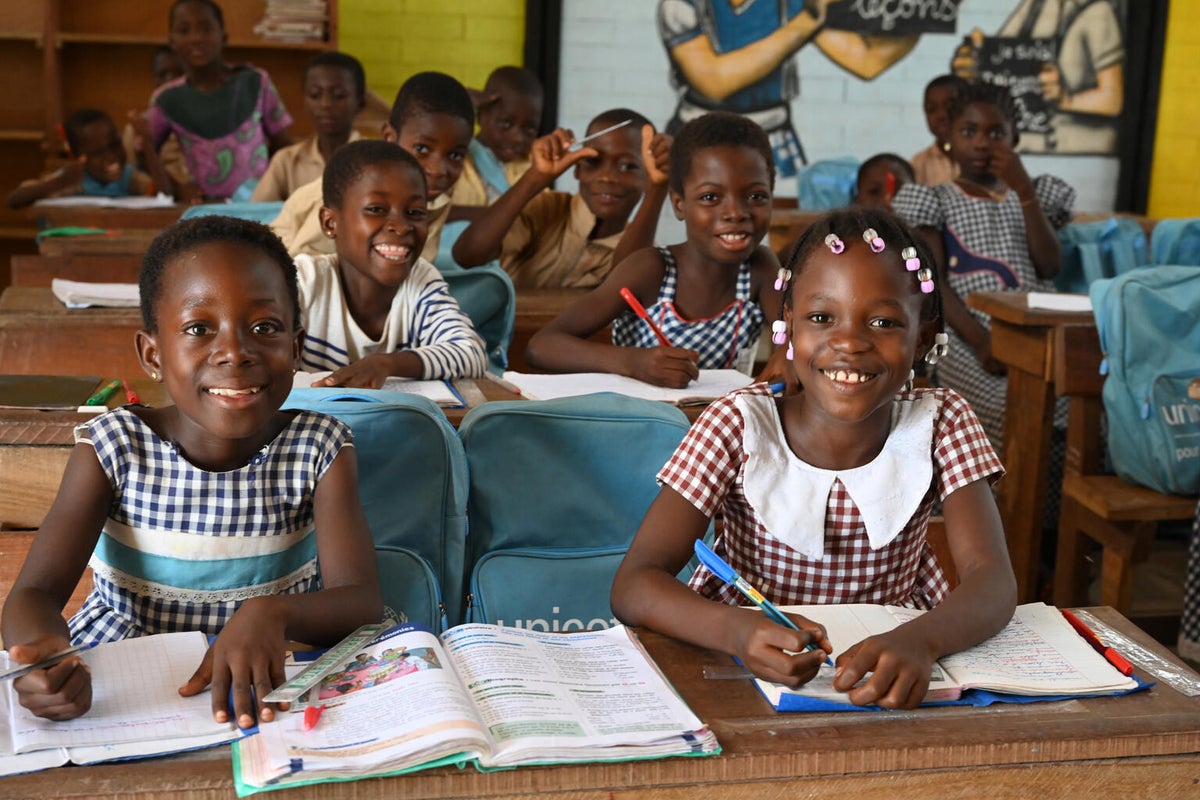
[
  {"x": 1176, "y": 241},
  {"x": 1104, "y": 248},
  {"x": 828, "y": 183},
  {"x": 1147, "y": 321}
]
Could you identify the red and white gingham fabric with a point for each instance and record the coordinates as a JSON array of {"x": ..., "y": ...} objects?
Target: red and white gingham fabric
[{"x": 706, "y": 469}]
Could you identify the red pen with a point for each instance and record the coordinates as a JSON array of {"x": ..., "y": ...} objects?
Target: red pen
[
  {"x": 130, "y": 395},
  {"x": 640, "y": 310},
  {"x": 1111, "y": 655},
  {"x": 312, "y": 715},
  {"x": 890, "y": 186}
]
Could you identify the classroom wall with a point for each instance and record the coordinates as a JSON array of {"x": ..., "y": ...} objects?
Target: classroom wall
[
  {"x": 1175, "y": 176},
  {"x": 612, "y": 56},
  {"x": 395, "y": 39}
]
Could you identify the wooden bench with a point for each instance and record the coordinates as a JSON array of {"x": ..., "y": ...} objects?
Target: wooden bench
[
  {"x": 36, "y": 270},
  {"x": 1102, "y": 509}
]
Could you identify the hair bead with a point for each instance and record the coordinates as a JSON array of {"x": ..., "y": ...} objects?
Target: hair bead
[
  {"x": 925, "y": 276},
  {"x": 782, "y": 279},
  {"x": 872, "y": 238},
  {"x": 778, "y": 331},
  {"x": 911, "y": 262},
  {"x": 790, "y": 354},
  {"x": 835, "y": 244},
  {"x": 941, "y": 346}
]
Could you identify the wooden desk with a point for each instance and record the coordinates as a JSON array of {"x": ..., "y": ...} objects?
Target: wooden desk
[
  {"x": 1147, "y": 742},
  {"x": 41, "y": 336},
  {"x": 38, "y": 270},
  {"x": 1023, "y": 338},
  {"x": 107, "y": 217},
  {"x": 536, "y": 308},
  {"x": 787, "y": 224},
  {"x": 124, "y": 241}
]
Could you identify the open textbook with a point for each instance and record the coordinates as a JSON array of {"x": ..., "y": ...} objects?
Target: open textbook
[
  {"x": 1037, "y": 655},
  {"x": 136, "y": 709},
  {"x": 83, "y": 294},
  {"x": 482, "y": 694},
  {"x": 711, "y": 384},
  {"x": 440, "y": 392}
]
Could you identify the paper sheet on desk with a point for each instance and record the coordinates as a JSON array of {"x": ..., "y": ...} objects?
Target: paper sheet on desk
[
  {"x": 440, "y": 392},
  {"x": 158, "y": 201},
  {"x": 78, "y": 294},
  {"x": 711, "y": 384},
  {"x": 1055, "y": 301}
]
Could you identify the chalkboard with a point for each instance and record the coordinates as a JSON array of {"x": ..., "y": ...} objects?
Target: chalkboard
[
  {"x": 1015, "y": 62},
  {"x": 893, "y": 17}
]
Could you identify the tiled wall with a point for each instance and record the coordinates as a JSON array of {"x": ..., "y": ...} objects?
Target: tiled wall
[
  {"x": 464, "y": 38},
  {"x": 612, "y": 56}
]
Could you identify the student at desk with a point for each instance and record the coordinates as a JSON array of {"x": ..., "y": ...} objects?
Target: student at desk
[
  {"x": 827, "y": 492},
  {"x": 200, "y": 515}
]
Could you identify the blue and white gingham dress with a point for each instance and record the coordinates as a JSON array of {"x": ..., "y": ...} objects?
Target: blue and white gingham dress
[
  {"x": 726, "y": 341},
  {"x": 183, "y": 547}
]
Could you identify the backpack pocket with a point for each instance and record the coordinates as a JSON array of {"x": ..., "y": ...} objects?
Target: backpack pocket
[
  {"x": 409, "y": 586},
  {"x": 1158, "y": 443}
]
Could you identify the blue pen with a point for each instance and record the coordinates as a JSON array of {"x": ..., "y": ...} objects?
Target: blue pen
[
  {"x": 777, "y": 388},
  {"x": 722, "y": 570}
]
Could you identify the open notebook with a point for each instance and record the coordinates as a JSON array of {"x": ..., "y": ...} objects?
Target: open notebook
[
  {"x": 711, "y": 384},
  {"x": 440, "y": 392}
]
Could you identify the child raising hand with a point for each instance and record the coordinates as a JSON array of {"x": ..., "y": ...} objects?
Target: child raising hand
[
  {"x": 708, "y": 294},
  {"x": 200, "y": 515},
  {"x": 826, "y": 493}
]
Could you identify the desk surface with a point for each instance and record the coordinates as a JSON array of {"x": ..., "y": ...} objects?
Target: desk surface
[
  {"x": 122, "y": 241},
  {"x": 1076, "y": 748},
  {"x": 107, "y": 217}
]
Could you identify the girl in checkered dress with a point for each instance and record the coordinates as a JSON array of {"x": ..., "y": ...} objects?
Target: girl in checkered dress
[
  {"x": 826, "y": 492},
  {"x": 200, "y": 515},
  {"x": 707, "y": 295},
  {"x": 993, "y": 229}
]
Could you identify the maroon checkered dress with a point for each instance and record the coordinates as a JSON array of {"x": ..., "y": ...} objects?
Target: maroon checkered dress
[{"x": 707, "y": 467}]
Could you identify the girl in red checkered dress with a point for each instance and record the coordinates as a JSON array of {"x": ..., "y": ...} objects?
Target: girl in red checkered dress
[{"x": 826, "y": 492}]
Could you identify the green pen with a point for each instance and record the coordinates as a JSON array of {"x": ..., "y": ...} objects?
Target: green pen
[{"x": 101, "y": 396}]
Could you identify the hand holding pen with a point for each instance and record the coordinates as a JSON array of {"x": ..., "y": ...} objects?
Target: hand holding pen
[
  {"x": 665, "y": 365},
  {"x": 50, "y": 678}
]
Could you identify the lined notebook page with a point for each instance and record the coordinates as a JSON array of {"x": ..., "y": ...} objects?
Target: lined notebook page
[{"x": 711, "y": 384}]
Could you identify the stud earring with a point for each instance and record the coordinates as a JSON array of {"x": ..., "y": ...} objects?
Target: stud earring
[
  {"x": 790, "y": 355},
  {"x": 154, "y": 376},
  {"x": 872, "y": 238},
  {"x": 945, "y": 147},
  {"x": 778, "y": 331},
  {"x": 834, "y": 244}
]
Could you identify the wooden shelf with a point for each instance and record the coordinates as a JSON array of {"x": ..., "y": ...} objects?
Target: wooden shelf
[{"x": 21, "y": 135}]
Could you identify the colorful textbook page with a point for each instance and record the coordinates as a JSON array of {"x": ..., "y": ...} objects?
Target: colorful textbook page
[
  {"x": 1037, "y": 656},
  {"x": 136, "y": 709},
  {"x": 483, "y": 694}
]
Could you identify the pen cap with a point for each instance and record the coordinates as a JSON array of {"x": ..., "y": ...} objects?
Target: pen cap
[{"x": 716, "y": 565}]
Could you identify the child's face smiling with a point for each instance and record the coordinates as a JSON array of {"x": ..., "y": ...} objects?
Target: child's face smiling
[
  {"x": 855, "y": 326},
  {"x": 974, "y": 134},
  {"x": 104, "y": 155},
  {"x": 380, "y": 228},
  {"x": 225, "y": 347},
  {"x": 195, "y": 35},
  {"x": 510, "y": 124},
  {"x": 331, "y": 100},
  {"x": 726, "y": 202},
  {"x": 613, "y": 182},
  {"x": 439, "y": 142}
]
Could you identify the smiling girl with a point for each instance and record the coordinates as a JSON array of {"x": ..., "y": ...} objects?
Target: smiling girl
[
  {"x": 376, "y": 308},
  {"x": 708, "y": 294}
]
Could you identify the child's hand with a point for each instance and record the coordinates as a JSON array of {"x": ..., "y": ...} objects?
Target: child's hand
[
  {"x": 62, "y": 690},
  {"x": 763, "y": 642},
  {"x": 369, "y": 372},
  {"x": 551, "y": 155},
  {"x": 1006, "y": 165},
  {"x": 965, "y": 63},
  {"x": 893, "y": 668},
  {"x": 656, "y": 153},
  {"x": 71, "y": 172},
  {"x": 673, "y": 367},
  {"x": 247, "y": 660}
]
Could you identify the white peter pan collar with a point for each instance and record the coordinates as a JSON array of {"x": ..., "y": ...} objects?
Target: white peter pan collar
[{"x": 791, "y": 496}]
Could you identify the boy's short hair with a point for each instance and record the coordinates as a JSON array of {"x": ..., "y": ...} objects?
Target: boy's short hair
[
  {"x": 351, "y": 159},
  {"x": 432, "y": 93},
  {"x": 212, "y": 6},
  {"x": 895, "y": 163},
  {"x": 74, "y": 124},
  {"x": 196, "y": 232},
  {"x": 518, "y": 79},
  {"x": 715, "y": 129},
  {"x": 336, "y": 60},
  {"x": 948, "y": 80},
  {"x": 606, "y": 119}
]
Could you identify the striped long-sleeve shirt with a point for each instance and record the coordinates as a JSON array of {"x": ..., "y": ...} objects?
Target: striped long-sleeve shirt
[{"x": 424, "y": 319}]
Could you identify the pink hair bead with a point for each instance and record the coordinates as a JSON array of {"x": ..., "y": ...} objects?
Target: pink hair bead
[
  {"x": 925, "y": 276},
  {"x": 872, "y": 238},
  {"x": 782, "y": 279},
  {"x": 790, "y": 354},
  {"x": 835, "y": 244},
  {"x": 911, "y": 262},
  {"x": 778, "y": 331}
]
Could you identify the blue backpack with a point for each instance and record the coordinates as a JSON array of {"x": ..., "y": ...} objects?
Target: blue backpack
[
  {"x": 412, "y": 481},
  {"x": 828, "y": 183},
  {"x": 1176, "y": 241},
  {"x": 1100, "y": 249},
  {"x": 1147, "y": 321}
]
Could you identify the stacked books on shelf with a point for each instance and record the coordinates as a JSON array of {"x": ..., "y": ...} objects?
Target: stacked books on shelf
[{"x": 294, "y": 21}]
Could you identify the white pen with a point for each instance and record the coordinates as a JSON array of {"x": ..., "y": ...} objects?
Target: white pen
[{"x": 580, "y": 143}]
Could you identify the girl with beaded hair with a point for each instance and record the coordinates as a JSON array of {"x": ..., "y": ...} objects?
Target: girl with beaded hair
[{"x": 826, "y": 492}]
